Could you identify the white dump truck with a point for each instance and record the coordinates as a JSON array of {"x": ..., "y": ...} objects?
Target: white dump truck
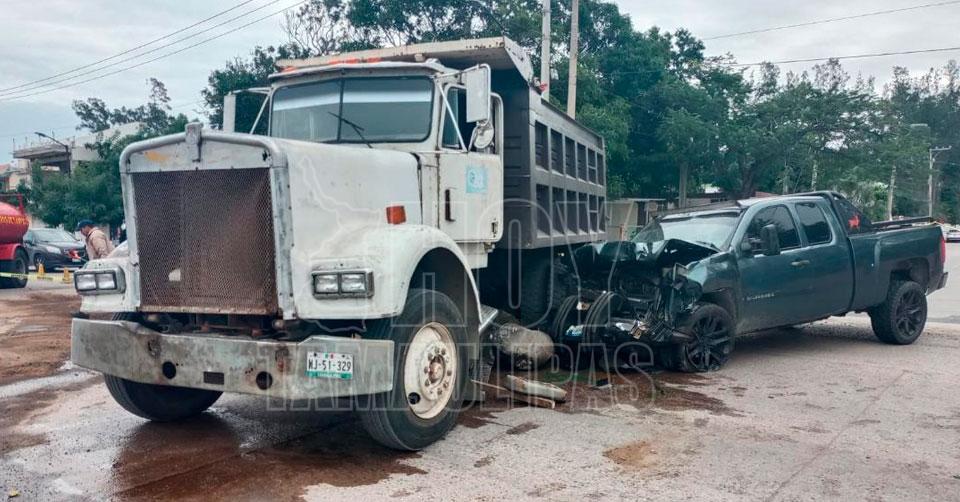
[{"x": 339, "y": 255}]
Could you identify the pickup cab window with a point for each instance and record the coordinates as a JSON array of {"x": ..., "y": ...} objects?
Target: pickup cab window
[
  {"x": 814, "y": 223},
  {"x": 355, "y": 110},
  {"x": 779, "y": 216}
]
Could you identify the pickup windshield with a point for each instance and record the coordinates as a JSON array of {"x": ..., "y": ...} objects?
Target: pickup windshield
[
  {"x": 708, "y": 229},
  {"x": 354, "y": 110}
]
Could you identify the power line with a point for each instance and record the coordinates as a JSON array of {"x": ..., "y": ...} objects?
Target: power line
[
  {"x": 128, "y": 51},
  {"x": 833, "y": 20},
  {"x": 138, "y": 56},
  {"x": 852, "y": 56},
  {"x": 162, "y": 56}
]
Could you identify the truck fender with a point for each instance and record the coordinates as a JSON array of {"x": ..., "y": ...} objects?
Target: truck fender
[{"x": 400, "y": 257}]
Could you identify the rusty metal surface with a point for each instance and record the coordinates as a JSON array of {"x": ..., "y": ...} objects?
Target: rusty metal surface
[
  {"x": 134, "y": 352},
  {"x": 205, "y": 241}
]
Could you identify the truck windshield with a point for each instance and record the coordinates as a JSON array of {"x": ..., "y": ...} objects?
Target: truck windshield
[
  {"x": 708, "y": 229},
  {"x": 358, "y": 110}
]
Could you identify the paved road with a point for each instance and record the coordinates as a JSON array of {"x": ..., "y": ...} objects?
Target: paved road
[{"x": 818, "y": 412}]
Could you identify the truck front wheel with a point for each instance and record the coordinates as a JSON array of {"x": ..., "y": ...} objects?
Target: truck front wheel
[
  {"x": 900, "y": 319},
  {"x": 429, "y": 377},
  {"x": 160, "y": 403}
]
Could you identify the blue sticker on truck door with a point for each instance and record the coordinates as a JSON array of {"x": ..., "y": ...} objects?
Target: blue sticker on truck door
[{"x": 476, "y": 179}]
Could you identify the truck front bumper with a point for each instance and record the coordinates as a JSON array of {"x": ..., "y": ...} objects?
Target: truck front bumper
[{"x": 228, "y": 363}]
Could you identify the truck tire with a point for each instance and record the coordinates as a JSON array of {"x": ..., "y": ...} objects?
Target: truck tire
[
  {"x": 712, "y": 329},
  {"x": 430, "y": 373},
  {"x": 900, "y": 319},
  {"x": 160, "y": 403},
  {"x": 543, "y": 286},
  {"x": 18, "y": 265}
]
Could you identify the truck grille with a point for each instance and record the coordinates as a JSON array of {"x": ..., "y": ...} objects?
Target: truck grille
[{"x": 205, "y": 240}]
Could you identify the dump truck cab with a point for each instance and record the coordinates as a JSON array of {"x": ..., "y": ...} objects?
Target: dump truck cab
[{"x": 334, "y": 257}]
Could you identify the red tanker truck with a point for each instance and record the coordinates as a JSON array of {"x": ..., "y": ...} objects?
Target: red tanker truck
[{"x": 13, "y": 257}]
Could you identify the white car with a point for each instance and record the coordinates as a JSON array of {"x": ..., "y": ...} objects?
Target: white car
[{"x": 951, "y": 234}]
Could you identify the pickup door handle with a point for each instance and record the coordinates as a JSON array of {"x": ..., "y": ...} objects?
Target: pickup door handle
[{"x": 800, "y": 263}]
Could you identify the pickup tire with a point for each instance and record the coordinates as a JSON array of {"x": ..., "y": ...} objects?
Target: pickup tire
[
  {"x": 429, "y": 377},
  {"x": 712, "y": 329},
  {"x": 160, "y": 403},
  {"x": 900, "y": 319}
]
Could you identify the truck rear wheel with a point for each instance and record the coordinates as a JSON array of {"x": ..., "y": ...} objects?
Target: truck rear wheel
[
  {"x": 160, "y": 403},
  {"x": 16, "y": 266},
  {"x": 712, "y": 331},
  {"x": 430, "y": 373},
  {"x": 544, "y": 284},
  {"x": 900, "y": 319}
]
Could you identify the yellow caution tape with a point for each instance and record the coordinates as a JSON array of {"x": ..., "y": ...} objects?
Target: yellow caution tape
[{"x": 66, "y": 278}]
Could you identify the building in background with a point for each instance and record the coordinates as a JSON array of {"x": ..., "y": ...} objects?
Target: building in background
[{"x": 66, "y": 153}]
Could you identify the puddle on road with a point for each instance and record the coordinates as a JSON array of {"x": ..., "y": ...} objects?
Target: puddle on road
[
  {"x": 194, "y": 460},
  {"x": 19, "y": 409},
  {"x": 34, "y": 335}
]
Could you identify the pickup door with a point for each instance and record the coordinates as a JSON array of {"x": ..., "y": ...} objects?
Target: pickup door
[{"x": 811, "y": 278}]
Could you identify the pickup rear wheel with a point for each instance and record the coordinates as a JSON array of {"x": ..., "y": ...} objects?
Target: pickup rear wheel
[
  {"x": 711, "y": 330},
  {"x": 429, "y": 374},
  {"x": 900, "y": 319}
]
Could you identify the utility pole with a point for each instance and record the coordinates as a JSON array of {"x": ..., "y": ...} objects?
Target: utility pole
[
  {"x": 930, "y": 177},
  {"x": 545, "y": 52},
  {"x": 574, "y": 53},
  {"x": 893, "y": 182}
]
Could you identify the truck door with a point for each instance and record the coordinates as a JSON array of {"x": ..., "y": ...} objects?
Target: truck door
[
  {"x": 470, "y": 181},
  {"x": 771, "y": 286},
  {"x": 827, "y": 272}
]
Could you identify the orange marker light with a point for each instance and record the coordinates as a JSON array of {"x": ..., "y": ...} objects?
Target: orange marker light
[{"x": 396, "y": 215}]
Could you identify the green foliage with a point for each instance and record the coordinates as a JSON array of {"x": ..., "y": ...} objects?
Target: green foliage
[
  {"x": 664, "y": 107},
  {"x": 92, "y": 189}
]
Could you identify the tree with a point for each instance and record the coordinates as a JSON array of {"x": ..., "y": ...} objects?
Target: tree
[
  {"x": 241, "y": 74},
  {"x": 92, "y": 190}
]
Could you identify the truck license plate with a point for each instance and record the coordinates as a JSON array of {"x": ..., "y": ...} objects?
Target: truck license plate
[{"x": 330, "y": 365}]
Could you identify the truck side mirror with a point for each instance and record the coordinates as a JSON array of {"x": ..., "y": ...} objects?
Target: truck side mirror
[
  {"x": 476, "y": 80},
  {"x": 229, "y": 112},
  {"x": 769, "y": 240}
]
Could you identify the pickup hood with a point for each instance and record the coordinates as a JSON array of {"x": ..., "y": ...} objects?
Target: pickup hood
[{"x": 657, "y": 254}]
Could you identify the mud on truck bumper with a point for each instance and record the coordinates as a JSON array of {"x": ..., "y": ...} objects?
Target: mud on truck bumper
[{"x": 228, "y": 363}]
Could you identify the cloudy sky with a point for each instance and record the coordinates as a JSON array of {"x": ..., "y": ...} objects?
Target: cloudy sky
[{"x": 42, "y": 38}]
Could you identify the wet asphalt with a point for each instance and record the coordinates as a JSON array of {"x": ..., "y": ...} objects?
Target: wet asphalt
[{"x": 819, "y": 412}]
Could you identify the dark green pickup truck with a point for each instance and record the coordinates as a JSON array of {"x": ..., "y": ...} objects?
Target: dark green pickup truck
[{"x": 687, "y": 284}]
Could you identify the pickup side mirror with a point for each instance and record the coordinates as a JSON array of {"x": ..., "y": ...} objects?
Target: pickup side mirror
[{"x": 769, "y": 240}]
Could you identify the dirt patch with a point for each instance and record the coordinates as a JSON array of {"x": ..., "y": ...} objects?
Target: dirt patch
[
  {"x": 153, "y": 462},
  {"x": 483, "y": 462},
  {"x": 633, "y": 456},
  {"x": 522, "y": 428},
  {"x": 35, "y": 335},
  {"x": 17, "y": 410}
]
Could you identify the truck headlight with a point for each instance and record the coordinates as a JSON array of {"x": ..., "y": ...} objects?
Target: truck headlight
[
  {"x": 85, "y": 282},
  {"x": 326, "y": 284},
  {"x": 98, "y": 281},
  {"x": 352, "y": 284}
]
